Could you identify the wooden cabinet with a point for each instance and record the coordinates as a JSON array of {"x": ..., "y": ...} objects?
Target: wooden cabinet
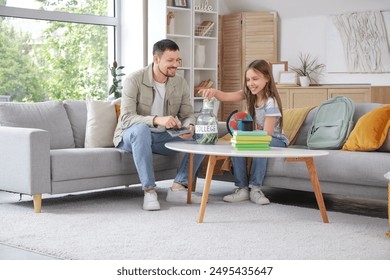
[
  {"x": 380, "y": 94},
  {"x": 284, "y": 94},
  {"x": 298, "y": 97},
  {"x": 303, "y": 97},
  {"x": 245, "y": 37},
  {"x": 358, "y": 95}
]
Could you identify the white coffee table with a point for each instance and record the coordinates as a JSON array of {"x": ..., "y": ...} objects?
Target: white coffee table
[{"x": 223, "y": 150}]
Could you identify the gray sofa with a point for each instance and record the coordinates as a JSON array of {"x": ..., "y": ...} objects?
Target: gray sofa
[
  {"x": 42, "y": 152},
  {"x": 349, "y": 173}
]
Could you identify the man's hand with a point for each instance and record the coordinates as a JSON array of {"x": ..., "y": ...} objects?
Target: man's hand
[
  {"x": 167, "y": 122},
  {"x": 188, "y": 135}
]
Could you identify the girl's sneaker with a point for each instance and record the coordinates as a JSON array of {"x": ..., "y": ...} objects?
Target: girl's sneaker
[
  {"x": 258, "y": 197},
  {"x": 240, "y": 194}
]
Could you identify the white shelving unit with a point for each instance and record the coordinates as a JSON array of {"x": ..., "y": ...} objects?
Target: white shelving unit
[{"x": 186, "y": 29}]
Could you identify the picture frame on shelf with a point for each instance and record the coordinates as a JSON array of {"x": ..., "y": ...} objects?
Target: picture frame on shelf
[
  {"x": 287, "y": 78},
  {"x": 180, "y": 3},
  {"x": 277, "y": 68}
]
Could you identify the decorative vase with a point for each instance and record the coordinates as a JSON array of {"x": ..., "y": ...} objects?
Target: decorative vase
[
  {"x": 305, "y": 81},
  {"x": 171, "y": 26},
  {"x": 200, "y": 56}
]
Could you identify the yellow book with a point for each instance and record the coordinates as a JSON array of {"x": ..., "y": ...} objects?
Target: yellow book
[{"x": 234, "y": 141}]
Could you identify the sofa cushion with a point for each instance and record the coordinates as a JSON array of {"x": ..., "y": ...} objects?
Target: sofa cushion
[
  {"x": 293, "y": 120},
  {"x": 77, "y": 114},
  {"x": 50, "y": 116},
  {"x": 370, "y": 131},
  {"x": 101, "y": 124},
  {"x": 339, "y": 166},
  {"x": 75, "y": 164},
  {"x": 301, "y": 138}
]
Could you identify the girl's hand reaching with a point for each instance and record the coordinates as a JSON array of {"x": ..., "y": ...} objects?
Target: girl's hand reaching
[
  {"x": 221, "y": 95},
  {"x": 208, "y": 92}
]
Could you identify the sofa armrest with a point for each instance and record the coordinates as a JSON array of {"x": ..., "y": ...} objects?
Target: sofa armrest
[{"x": 25, "y": 160}]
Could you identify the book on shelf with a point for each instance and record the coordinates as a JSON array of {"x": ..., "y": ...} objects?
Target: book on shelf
[
  {"x": 203, "y": 85},
  {"x": 204, "y": 27}
]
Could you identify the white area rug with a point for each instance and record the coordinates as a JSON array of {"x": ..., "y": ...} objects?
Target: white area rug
[{"x": 111, "y": 225}]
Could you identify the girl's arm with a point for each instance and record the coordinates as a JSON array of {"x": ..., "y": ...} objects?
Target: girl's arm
[
  {"x": 223, "y": 96},
  {"x": 269, "y": 125}
]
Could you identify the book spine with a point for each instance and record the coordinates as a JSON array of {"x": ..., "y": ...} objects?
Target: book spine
[{"x": 250, "y": 133}]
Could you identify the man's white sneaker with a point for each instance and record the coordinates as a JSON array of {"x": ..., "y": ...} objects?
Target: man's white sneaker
[
  {"x": 180, "y": 196},
  {"x": 240, "y": 194},
  {"x": 258, "y": 197},
  {"x": 150, "y": 201}
]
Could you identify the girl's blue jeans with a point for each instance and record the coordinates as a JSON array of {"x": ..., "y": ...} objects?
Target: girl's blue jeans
[{"x": 258, "y": 168}]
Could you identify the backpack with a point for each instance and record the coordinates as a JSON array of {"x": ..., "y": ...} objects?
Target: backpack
[{"x": 332, "y": 124}]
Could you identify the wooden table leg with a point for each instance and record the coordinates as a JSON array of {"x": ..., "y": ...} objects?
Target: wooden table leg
[
  {"x": 205, "y": 196},
  {"x": 315, "y": 183},
  {"x": 190, "y": 182},
  {"x": 316, "y": 186}
]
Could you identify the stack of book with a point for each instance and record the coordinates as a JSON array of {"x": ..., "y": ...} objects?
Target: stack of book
[
  {"x": 205, "y": 28},
  {"x": 203, "y": 85},
  {"x": 256, "y": 140}
]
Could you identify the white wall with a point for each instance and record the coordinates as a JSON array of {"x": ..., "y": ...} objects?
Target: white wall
[
  {"x": 132, "y": 35},
  {"x": 301, "y": 33},
  {"x": 308, "y": 34},
  {"x": 296, "y": 34}
]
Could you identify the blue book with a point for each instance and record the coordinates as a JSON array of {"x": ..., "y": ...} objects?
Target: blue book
[{"x": 250, "y": 133}]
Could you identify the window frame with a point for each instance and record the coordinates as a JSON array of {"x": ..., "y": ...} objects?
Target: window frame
[{"x": 114, "y": 21}]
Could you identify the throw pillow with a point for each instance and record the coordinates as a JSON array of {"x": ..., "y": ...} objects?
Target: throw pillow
[
  {"x": 77, "y": 114},
  {"x": 117, "y": 110},
  {"x": 50, "y": 116},
  {"x": 101, "y": 124},
  {"x": 370, "y": 131}
]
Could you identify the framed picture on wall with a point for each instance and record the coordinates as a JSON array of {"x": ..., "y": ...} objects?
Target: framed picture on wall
[
  {"x": 180, "y": 3},
  {"x": 277, "y": 68}
]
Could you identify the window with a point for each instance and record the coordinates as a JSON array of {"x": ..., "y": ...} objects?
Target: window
[{"x": 56, "y": 49}]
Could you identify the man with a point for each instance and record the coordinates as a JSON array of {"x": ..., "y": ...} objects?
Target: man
[{"x": 155, "y": 99}]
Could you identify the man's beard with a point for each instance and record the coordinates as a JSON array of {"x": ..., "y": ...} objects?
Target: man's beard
[{"x": 166, "y": 74}]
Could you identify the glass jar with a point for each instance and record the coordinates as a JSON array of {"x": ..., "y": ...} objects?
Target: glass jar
[{"x": 206, "y": 127}]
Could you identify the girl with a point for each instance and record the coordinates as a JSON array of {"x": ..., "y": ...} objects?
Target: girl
[{"x": 264, "y": 105}]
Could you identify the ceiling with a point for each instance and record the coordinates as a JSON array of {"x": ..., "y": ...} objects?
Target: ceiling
[{"x": 302, "y": 8}]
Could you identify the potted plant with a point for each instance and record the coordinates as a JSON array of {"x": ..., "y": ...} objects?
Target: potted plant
[
  {"x": 308, "y": 70},
  {"x": 116, "y": 74}
]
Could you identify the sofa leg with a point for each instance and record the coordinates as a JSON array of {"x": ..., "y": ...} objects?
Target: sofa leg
[{"x": 37, "y": 199}]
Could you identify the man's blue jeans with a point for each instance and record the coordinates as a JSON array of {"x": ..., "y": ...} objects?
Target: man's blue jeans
[
  {"x": 142, "y": 143},
  {"x": 258, "y": 169}
]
